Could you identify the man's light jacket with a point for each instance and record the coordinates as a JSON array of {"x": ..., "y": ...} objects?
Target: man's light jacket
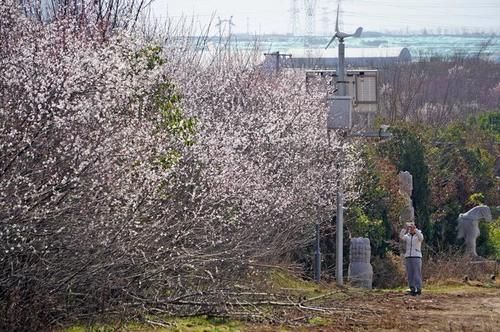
[{"x": 413, "y": 243}]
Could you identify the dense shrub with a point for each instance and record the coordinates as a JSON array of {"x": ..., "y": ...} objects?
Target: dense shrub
[{"x": 138, "y": 176}]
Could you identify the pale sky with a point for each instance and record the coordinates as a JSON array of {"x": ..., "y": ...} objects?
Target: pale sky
[{"x": 273, "y": 16}]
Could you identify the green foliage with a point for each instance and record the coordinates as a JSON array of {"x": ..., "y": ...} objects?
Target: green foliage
[
  {"x": 494, "y": 237},
  {"x": 461, "y": 160},
  {"x": 152, "y": 55},
  {"x": 167, "y": 99},
  {"x": 374, "y": 197},
  {"x": 488, "y": 243},
  {"x": 169, "y": 159},
  {"x": 376, "y": 230},
  {"x": 369, "y": 216},
  {"x": 406, "y": 151},
  {"x": 461, "y": 171},
  {"x": 445, "y": 227},
  {"x": 489, "y": 122},
  {"x": 452, "y": 169},
  {"x": 476, "y": 199}
]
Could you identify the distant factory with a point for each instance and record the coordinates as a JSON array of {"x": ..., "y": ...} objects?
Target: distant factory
[{"x": 371, "y": 58}]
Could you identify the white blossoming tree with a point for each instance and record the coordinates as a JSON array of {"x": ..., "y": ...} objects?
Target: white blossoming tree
[{"x": 135, "y": 175}]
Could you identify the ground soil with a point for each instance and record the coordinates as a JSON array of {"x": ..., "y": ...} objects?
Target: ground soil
[
  {"x": 461, "y": 306},
  {"x": 455, "y": 311},
  {"x": 461, "y": 309}
]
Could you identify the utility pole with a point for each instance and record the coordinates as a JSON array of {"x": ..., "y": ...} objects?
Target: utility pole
[
  {"x": 343, "y": 104},
  {"x": 277, "y": 55},
  {"x": 317, "y": 255},
  {"x": 339, "y": 272}
]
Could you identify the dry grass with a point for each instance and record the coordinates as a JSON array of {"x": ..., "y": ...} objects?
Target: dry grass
[
  {"x": 389, "y": 272},
  {"x": 458, "y": 269}
]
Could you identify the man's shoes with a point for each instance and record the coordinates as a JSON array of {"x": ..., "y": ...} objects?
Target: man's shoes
[{"x": 412, "y": 291}]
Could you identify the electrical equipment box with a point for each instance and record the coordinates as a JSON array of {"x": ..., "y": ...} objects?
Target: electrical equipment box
[
  {"x": 339, "y": 112},
  {"x": 361, "y": 86}
]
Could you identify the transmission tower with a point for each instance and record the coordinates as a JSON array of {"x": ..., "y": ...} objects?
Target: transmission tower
[
  {"x": 294, "y": 16},
  {"x": 222, "y": 24},
  {"x": 310, "y": 20},
  {"x": 325, "y": 20}
]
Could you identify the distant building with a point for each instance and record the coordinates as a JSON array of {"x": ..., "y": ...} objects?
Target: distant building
[{"x": 354, "y": 57}]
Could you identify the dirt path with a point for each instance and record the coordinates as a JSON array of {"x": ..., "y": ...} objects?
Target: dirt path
[
  {"x": 463, "y": 310},
  {"x": 460, "y": 312}
]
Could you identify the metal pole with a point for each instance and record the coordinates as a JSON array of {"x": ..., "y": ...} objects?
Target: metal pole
[
  {"x": 341, "y": 69},
  {"x": 277, "y": 61},
  {"x": 340, "y": 237},
  {"x": 340, "y": 194},
  {"x": 317, "y": 257}
]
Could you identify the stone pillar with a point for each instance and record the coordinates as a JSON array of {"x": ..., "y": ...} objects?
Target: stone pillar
[
  {"x": 407, "y": 213},
  {"x": 360, "y": 270}
]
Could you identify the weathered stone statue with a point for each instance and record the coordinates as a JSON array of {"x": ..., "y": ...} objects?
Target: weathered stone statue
[
  {"x": 468, "y": 226},
  {"x": 360, "y": 270},
  {"x": 407, "y": 213},
  {"x": 405, "y": 183}
]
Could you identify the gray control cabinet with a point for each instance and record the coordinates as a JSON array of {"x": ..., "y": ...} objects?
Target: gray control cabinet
[{"x": 339, "y": 112}]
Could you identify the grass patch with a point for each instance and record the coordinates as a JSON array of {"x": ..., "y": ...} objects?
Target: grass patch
[
  {"x": 446, "y": 286},
  {"x": 205, "y": 324},
  {"x": 455, "y": 285},
  {"x": 285, "y": 281},
  {"x": 309, "y": 291},
  {"x": 191, "y": 324},
  {"x": 319, "y": 321}
]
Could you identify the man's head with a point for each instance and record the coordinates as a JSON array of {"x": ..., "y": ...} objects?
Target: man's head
[{"x": 410, "y": 227}]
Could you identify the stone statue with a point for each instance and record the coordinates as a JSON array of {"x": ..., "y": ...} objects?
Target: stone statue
[
  {"x": 407, "y": 213},
  {"x": 360, "y": 270},
  {"x": 468, "y": 226},
  {"x": 405, "y": 183}
]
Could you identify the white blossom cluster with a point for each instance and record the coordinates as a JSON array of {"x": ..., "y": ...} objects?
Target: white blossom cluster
[
  {"x": 265, "y": 150},
  {"x": 75, "y": 116},
  {"x": 80, "y": 137}
]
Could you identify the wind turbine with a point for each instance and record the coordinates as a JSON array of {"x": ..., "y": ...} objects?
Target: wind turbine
[
  {"x": 341, "y": 35},
  {"x": 340, "y": 66}
]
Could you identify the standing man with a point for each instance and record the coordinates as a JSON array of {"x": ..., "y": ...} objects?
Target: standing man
[{"x": 413, "y": 239}]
